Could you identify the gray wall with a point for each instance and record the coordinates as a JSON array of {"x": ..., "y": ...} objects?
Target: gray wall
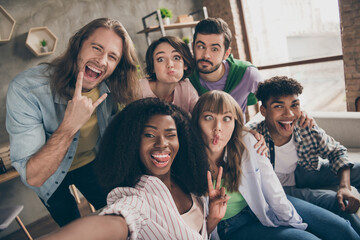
[{"x": 63, "y": 18}]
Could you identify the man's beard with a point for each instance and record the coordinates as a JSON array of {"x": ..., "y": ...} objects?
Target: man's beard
[{"x": 211, "y": 70}]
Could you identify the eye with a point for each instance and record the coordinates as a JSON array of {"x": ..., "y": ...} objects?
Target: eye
[
  {"x": 149, "y": 135},
  {"x": 160, "y": 59},
  {"x": 96, "y": 48},
  {"x": 215, "y": 49},
  {"x": 208, "y": 117},
  {"x": 172, "y": 135},
  {"x": 278, "y": 106},
  {"x": 295, "y": 105},
  {"x": 114, "y": 58},
  {"x": 227, "y": 119},
  {"x": 200, "y": 46},
  {"x": 177, "y": 57}
]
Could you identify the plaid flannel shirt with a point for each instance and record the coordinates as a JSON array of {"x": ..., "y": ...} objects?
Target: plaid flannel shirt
[{"x": 310, "y": 145}]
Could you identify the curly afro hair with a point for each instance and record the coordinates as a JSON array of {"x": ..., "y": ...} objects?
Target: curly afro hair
[{"x": 277, "y": 87}]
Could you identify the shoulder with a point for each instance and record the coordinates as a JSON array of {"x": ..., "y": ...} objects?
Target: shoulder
[
  {"x": 32, "y": 78},
  {"x": 248, "y": 139}
]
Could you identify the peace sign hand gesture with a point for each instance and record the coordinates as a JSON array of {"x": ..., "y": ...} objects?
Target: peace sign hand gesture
[
  {"x": 79, "y": 108},
  {"x": 217, "y": 201}
]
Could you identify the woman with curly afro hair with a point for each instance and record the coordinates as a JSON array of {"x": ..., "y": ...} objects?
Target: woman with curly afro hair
[{"x": 155, "y": 169}]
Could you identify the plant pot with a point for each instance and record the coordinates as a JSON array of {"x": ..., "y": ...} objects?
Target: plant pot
[
  {"x": 44, "y": 49},
  {"x": 166, "y": 21}
]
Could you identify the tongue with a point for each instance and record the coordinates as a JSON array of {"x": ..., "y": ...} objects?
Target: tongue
[
  {"x": 90, "y": 73},
  {"x": 287, "y": 127},
  {"x": 162, "y": 159},
  {"x": 215, "y": 140}
]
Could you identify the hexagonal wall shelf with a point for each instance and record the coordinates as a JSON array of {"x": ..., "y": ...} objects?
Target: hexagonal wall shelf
[
  {"x": 36, "y": 36},
  {"x": 7, "y": 24}
]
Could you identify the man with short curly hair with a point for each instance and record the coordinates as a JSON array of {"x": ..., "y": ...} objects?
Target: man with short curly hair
[{"x": 294, "y": 152}]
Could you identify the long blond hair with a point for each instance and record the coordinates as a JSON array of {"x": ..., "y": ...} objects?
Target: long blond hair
[{"x": 217, "y": 102}]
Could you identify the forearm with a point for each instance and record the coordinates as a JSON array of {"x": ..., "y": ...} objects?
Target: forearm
[
  {"x": 211, "y": 224},
  {"x": 94, "y": 227},
  {"x": 344, "y": 177},
  {"x": 46, "y": 161}
]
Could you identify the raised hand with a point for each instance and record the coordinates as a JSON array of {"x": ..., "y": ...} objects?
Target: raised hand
[
  {"x": 217, "y": 201},
  {"x": 79, "y": 108}
]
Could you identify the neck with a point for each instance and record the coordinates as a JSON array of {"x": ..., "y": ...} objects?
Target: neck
[
  {"x": 278, "y": 139},
  {"x": 164, "y": 91},
  {"x": 214, "y": 76},
  {"x": 214, "y": 157}
]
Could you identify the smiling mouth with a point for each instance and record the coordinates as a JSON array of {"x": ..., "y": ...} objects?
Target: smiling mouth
[
  {"x": 92, "y": 72},
  {"x": 287, "y": 125},
  {"x": 160, "y": 160}
]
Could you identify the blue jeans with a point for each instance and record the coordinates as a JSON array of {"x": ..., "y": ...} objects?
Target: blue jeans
[
  {"x": 321, "y": 224},
  {"x": 62, "y": 205},
  {"x": 308, "y": 184},
  {"x": 245, "y": 225}
]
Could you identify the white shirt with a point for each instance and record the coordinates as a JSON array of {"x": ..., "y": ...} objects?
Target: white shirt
[{"x": 285, "y": 162}]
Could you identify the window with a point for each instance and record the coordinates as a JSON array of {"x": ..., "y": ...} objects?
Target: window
[{"x": 285, "y": 31}]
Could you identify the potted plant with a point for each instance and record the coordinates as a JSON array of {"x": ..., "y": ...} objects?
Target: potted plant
[
  {"x": 44, "y": 47},
  {"x": 187, "y": 41},
  {"x": 166, "y": 15}
]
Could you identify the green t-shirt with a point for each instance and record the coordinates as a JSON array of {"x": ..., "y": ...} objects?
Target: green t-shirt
[{"x": 235, "y": 204}]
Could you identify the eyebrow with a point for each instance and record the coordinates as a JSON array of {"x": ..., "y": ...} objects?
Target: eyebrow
[
  {"x": 214, "y": 44},
  {"x": 153, "y": 127},
  {"x": 164, "y": 52},
  {"x": 282, "y": 102}
]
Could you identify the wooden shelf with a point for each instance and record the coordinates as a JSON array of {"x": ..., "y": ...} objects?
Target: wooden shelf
[
  {"x": 169, "y": 27},
  {"x": 36, "y": 35},
  {"x": 7, "y": 24},
  {"x": 10, "y": 174}
]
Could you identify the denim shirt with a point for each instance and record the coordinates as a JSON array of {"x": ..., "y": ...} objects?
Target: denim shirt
[{"x": 33, "y": 114}]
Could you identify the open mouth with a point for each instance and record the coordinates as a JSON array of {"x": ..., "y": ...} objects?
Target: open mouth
[
  {"x": 160, "y": 160},
  {"x": 286, "y": 125},
  {"x": 92, "y": 72}
]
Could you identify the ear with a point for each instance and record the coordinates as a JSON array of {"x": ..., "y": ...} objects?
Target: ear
[
  {"x": 263, "y": 110},
  {"x": 227, "y": 53},
  {"x": 185, "y": 67}
]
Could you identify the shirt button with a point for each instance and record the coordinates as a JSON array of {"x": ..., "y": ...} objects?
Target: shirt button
[
  {"x": 56, "y": 182},
  {"x": 75, "y": 139},
  {"x": 62, "y": 171},
  {"x": 70, "y": 157},
  {"x": 48, "y": 194}
]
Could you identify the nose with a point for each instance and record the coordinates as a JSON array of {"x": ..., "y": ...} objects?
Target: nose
[
  {"x": 217, "y": 126},
  {"x": 288, "y": 112},
  {"x": 161, "y": 142},
  {"x": 206, "y": 53},
  {"x": 102, "y": 60},
  {"x": 170, "y": 64}
]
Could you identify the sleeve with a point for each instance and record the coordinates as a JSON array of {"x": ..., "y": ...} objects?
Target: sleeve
[
  {"x": 332, "y": 150},
  {"x": 130, "y": 209},
  {"x": 193, "y": 97},
  {"x": 255, "y": 79},
  {"x": 25, "y": 126},
  {"x": 285, "y": 213}
]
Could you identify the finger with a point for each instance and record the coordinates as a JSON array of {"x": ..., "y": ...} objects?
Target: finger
[
  {"x": 222, "y": 192},
  {"x": 220, "y": 200},
  {"x": 78, "y": 86},
  {"x": 261, "y": 141},
  {"x": 262, "y": 150},
  {"x": 209, "y": 180},
  {"x": 341, "y": 202},
  {"x": 218, "y": 180},
  {"x": 100, "y": 100}
]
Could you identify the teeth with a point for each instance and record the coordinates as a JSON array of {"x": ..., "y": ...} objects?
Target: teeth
[
  {"x": 286, "y": 122},
  {"x": 160, "y": 155},
  {"x": 94, "y": 69}
]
